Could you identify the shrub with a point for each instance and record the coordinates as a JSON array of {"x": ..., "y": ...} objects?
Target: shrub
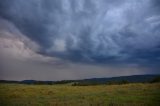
[{"x": 156, "y": 79}]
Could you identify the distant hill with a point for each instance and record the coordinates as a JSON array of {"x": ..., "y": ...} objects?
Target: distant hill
[
  {"x": 92, "y": 81},
  {"x": 133, "y": 78}
]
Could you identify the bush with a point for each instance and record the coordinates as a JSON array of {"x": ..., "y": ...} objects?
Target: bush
[
  {"x": 117, "y": 82},
  {"x": 156, "y": 79}
]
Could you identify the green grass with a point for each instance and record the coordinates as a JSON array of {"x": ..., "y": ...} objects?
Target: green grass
[{"x": 67, "y": 95}]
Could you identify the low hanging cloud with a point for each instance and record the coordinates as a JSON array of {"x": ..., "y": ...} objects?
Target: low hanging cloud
[
  {"x": 64, "y": 33},
  {"x": 88, "y": 30},
  {"x": 15, "y": 45}
]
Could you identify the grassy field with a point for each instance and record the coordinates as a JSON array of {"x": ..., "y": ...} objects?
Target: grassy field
[{"x": 67, "y": 95}]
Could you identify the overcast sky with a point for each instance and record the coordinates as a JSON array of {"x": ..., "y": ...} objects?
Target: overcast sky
[{"x": 76, "y": 39}]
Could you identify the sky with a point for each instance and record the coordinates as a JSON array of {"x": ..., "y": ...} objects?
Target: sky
[{"x": 77, "y": 39}]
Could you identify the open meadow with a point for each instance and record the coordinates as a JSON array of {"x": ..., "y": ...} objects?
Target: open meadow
[{"x": 66, "y": 95}]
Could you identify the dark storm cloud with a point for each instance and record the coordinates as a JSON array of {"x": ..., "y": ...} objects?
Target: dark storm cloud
[{"x": 101, "y": 31}]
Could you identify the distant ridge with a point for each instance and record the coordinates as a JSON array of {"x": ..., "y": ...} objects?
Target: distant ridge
[{"x": 131, "y": 79}]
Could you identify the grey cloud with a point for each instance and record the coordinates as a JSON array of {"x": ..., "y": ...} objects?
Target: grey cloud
[
  {"x": 103, "y": 31},
  {"x": 16, "y": 46},
  {"x": 76, "y": 39}
]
